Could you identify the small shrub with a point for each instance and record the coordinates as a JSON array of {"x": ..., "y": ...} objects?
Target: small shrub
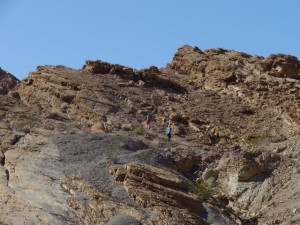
[
  {"x": 27, "y": 122},
  {"x": 64, "y": 107},
  {"x": 139, "y": 129},
  {"x": 127, "y": 127},
  {"x": 56, "y": 115},
  {"x": 98, "y": 128},
  {"x": 255, "y": 138},
  {"x": 201, "y": 188}
]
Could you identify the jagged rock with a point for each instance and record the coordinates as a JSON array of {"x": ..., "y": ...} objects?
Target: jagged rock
[
  {"x": 249, "y": 179},
  {"x": 176, "y": 117},
  {"x": 148, "y": 76},
  {"x": 188, "y": 60},
  {"x": 161, "y": 188},
  {"x": 280, "y": 65},
  {"x": 105, "y": 68},
  {"x": 7, "y": 81},
  {"x": 214, "y": 66},
  {"x": 152, "y": 70},
  {"x": 180, "y": 160},
  {"x": 246, "y": 166},
  {"x": 155, "y": 188}
]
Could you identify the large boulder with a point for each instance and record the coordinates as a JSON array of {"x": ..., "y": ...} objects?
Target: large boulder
[
  {"x": 180, "y": 160},
  {"x": 173, "y": 198},
  {"x": 101, "y": 67},
  {"x": 155, "y": 189},
  {"x": 244, "y": 177}
]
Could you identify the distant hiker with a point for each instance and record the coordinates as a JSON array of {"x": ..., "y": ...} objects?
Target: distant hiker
[
  {"x": 169, "y": 132},
  {"x": 148, "y": 120}
]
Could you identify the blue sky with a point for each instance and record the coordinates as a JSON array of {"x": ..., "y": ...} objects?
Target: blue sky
[{"x": 140, "y": 33}]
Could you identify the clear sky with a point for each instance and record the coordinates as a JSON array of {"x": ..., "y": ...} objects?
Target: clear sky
[{"x": 140, "y": 33}]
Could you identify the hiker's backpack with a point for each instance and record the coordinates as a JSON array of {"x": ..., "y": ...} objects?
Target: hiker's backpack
[{"x": 148, "y": 117}]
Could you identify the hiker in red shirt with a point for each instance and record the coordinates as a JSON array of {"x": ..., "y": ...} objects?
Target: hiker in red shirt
[{"x": 148, "y": 120}]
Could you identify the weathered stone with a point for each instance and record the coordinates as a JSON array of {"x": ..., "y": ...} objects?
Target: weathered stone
[
  {"x": 210, "y": 173},
  {"x": 281, "y": 65},
  {"x": 160, "y": 188},
  {"x": 123, "y": 220},
  {"x": 7, "y": 81},
  {"x": 180, "y": 160}
]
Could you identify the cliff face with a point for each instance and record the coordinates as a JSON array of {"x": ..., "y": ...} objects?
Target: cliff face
[
  {"x": 7, "y": 81},
  {"x": 75, "y": 150}
]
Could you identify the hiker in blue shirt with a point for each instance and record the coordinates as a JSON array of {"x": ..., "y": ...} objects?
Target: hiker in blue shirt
[{"x": 169, "y": 133}]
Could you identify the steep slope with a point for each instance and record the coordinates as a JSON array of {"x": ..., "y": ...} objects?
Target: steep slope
[
  {"x": 76, "y": 140},
  {"x": 57, "y": 156}
]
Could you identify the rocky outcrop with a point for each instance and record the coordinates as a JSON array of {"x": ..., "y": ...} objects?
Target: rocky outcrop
[
  {"x": 230, "y": 66},
  {"x": 217, "y": 64},
  {"x": 148, "y": 76},
  {"x": 280, "y": 65},
  {"x": 180, "y": 160},
  {"x": 168, "y": 195},
  {"x": 249, "y": 180},
  {"x": 155, "y": 189},
  {"x": 248, "y": 166},
  {"x": 100, "y": 67},
  {"x": 188, "y": 60},
  {"x": 254, "y": 79},
  {"x": 7, "y": 81},
  {"x": 218, "y": 68}
]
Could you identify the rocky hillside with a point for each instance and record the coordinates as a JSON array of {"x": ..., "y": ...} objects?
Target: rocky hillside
[{"x": 75, "y": 149}]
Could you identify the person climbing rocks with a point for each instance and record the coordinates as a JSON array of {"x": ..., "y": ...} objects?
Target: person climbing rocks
[
  {"x": 169, "y": 132},
  {"x": 148, "y": 120}
]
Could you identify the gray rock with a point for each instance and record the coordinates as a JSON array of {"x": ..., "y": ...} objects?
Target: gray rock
[{"x": 123, "y": 220}]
